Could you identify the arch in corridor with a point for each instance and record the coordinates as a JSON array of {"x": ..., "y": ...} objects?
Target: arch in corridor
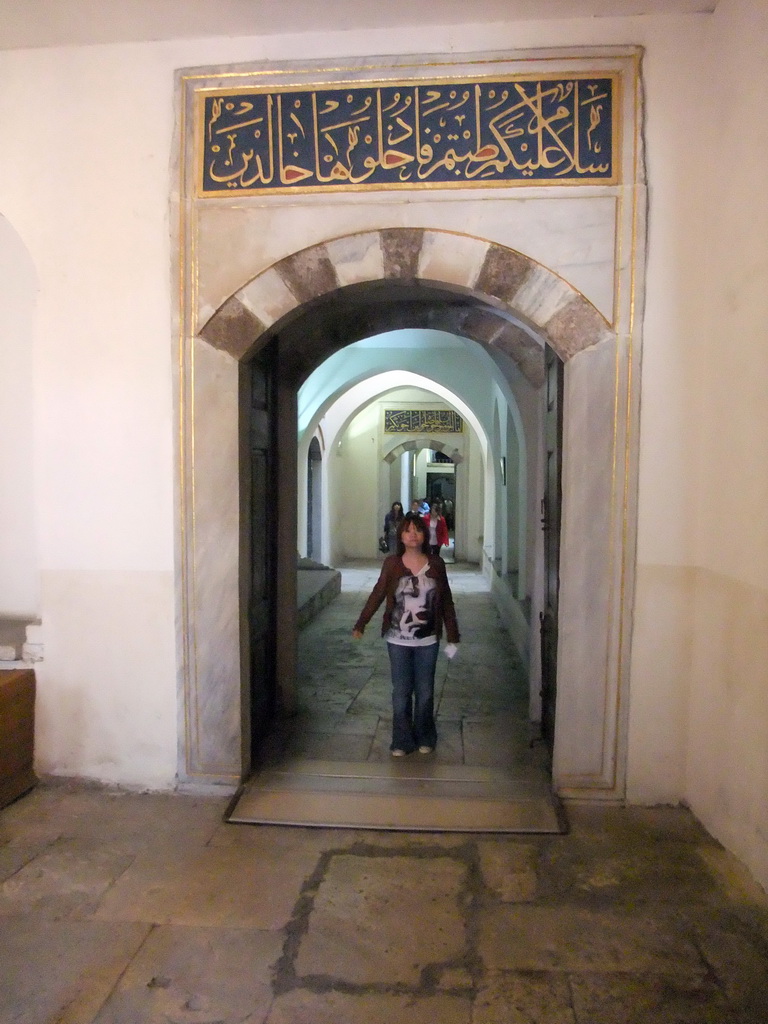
[
  {"x": 418, "y": 445},
  {"x": 348, "y": 373},
  {"x": 351, "y": 396}
]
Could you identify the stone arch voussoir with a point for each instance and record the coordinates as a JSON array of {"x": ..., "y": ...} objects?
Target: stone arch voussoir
[
  {"x": 417, "y": 444},
  {"x": 553, "y": 310}
]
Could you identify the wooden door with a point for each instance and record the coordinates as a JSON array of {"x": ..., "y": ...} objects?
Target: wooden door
[
  {"x": 261, "y": 531},
  {"x": 550, "y": 522}
]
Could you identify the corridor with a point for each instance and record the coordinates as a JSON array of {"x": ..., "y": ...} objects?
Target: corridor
[{"x": 344, "y": 690}]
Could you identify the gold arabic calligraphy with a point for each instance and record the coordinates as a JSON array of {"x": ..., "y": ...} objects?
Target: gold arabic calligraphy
[
  {"x": 433, "y": 421},
  {"x": 409, "y": 134}
]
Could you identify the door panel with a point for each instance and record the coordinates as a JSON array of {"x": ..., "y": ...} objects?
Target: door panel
[
  {"x": 262, "y": 534},
  {"x": 550, "y": 522}
]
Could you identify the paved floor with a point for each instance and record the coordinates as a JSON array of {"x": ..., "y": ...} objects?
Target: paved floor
[
  {"x": 148, "y": 909},
  {"x": 126, "y": 908}
]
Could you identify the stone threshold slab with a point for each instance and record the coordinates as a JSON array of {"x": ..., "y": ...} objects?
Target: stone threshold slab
[
  {"x": 422, "y": 797},
  {"x": 413, "y": 766}
]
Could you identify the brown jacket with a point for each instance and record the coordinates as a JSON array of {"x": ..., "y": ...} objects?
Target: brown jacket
[{"x": 391, "y": 572}]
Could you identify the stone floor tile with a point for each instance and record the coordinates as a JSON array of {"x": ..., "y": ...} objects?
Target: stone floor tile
[
  {"x": 643, "y": 825},
  {"x": 67, "y": 879},
  {"x": 382, "y": 739},
  {"x": 296, "y": 840},
  {"x": 330, "y": 746},
  {"x": 62, "y": 808},
  {"x": 563, "y": 938},
  {"x": 450, "y": 746},
  {"x": 18, "y": 852},
  {"x": 589, "y": 870},
  {"x": 732, "y": 877},
  {"x": 738, "y": 958},
  {"x": 493, "y": 655},
  {"x": 457, "y": 980},
  {"x": 49, "y": 811},
  {"x": 653, "y": 998},
  {"x": 368, "y": 706},
  {"x": 512, "y": 729},
  {"x": 213, "y": 886},
  {"x": 509, "y": 869},
  {"x": 418, "y": 844},
  {"x": 302, "y": 1007},
  {"x": 524, "y": 997},
  {"x": 506, "y": 721},
  {"x": 61, "y": 971},
  {"x": 522, "y": 765},
  {"x": 383, "y": 920},
  {"x": 201, "y": 975},
  {"x": 458, "y": 708},
  {"x": 340, "y": 725}
]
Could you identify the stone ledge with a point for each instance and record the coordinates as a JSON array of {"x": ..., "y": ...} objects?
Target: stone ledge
[{"x": 317, "y": 587}]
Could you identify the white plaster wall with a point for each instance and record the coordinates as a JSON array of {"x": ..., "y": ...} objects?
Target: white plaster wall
[
  {"x": 419, "y": 474},
  {"x": 677, "y": 73},
  {"x": 699, "y": 719},
  {"x": 727, "y": 767},
  {"x": 359, "y": 484},
  {"x": 474, "y": 499},
  {"x": 19, "y": 578},
  {"x": 90, "y": 204},
  {"x": 86, "y": 181}
]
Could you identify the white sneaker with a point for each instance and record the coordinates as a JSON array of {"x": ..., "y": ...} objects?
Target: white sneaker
[
  {"x": 426, "y": 750},
  {"x": 397, "y": 752}
]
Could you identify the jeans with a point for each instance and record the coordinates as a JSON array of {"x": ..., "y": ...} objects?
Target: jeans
[{"x": 413, "y": 696}]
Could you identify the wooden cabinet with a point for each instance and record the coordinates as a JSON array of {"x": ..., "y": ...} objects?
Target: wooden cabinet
[{"x": 17, "y": 733}]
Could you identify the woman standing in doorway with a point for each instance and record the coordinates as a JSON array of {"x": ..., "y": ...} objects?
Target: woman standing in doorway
[{"x": 415, "y": 587}]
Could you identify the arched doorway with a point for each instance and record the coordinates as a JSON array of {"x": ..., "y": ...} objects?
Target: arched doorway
[
  {"x": 442, "y": 478},
  {"x": 511, "y": 305},
  {"x": 350, "y": 381}
]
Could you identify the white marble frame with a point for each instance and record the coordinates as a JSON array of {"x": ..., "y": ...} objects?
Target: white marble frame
[{"x": 600, "y": 464}]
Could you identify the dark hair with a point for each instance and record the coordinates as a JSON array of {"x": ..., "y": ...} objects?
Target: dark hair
[
  {"x": 397, "y": 504},
  {"x": 408, "y": 519}
]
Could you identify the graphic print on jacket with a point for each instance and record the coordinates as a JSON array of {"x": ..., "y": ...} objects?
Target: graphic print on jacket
[{"x": 413, "y": 616}]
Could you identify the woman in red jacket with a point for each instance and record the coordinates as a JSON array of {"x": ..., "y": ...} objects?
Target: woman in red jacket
[
  {"x": 419, "y": 603},
  {"x": 438, "y": 528}
]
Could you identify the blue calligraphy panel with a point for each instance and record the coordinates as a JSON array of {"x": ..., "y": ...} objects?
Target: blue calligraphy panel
[
  {"x": 524, "y": 131},
  {"x": 414, "y": 421}
]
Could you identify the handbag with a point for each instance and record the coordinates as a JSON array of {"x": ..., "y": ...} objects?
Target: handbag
[{"x": 383, "y": 546}]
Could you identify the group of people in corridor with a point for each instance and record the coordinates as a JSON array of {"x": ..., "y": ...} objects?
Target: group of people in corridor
[{"x": 432, "y": 515}]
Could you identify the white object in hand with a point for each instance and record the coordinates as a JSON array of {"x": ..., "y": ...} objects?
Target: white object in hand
[{"x": 451, "y": 650}]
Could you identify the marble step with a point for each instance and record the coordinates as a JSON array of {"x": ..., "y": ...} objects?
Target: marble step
[{"x": 411, "y": 794}]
